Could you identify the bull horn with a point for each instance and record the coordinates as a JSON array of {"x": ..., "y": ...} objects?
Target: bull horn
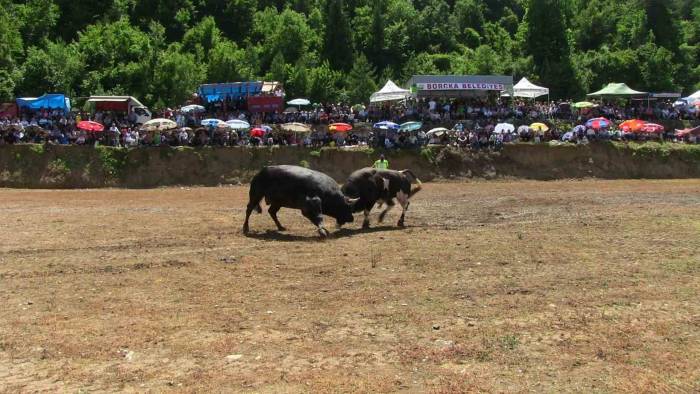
[{"x": 351, "y": 201}]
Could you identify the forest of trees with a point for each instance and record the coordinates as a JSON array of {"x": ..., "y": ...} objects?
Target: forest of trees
[{"x": 341, "y": 50}]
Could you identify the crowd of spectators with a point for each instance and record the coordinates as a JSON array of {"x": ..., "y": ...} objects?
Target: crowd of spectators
[{"x": 474, "y": 121}]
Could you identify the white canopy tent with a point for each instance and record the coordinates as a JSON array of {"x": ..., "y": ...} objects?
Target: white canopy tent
[
  {"x": 389, "y": 92},
  {"x": 527, "y": 89}
]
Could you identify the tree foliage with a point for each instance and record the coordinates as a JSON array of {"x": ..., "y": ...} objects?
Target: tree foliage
[{"x": 159, "y": 50}]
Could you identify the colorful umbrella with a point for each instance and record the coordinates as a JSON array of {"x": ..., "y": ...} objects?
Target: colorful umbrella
[
  {"x": 598, "y": 123},
  {"x": 88, "y": 125},
  {"x": 632, "y": 125},
  {"x": 539, "y": 127},
  {"x": 386, "y": 125},
  {"x": 257, "y": 132},
  {"x": 410, "y": 126},
  {"x": 238, "y": 124},
  {"x": 652, "y": 128},
  {"x": 339, "y": 127}
]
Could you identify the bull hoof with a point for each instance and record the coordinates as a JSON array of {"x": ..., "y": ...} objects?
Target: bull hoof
[
  {"x": 323, "y": 233},
  {"x": 400, "y": 224},
  {"x": 245, "y": 230},
  {"x": 365, "y": 225},
  {"x": 281, "y": 228}
]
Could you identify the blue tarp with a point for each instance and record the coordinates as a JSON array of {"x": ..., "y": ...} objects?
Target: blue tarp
[
  {"x": 52, "y": 101},
  {"x": 219, "y": 91}
]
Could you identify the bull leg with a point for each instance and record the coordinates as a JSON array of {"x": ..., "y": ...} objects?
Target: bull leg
[
  {"x": 273, "y": 213},
  {"x": 312, "y": 211},
  {"x": 403, "y": 200},
  {"x": 389, "y": 205},
  {"x": 252, "y": 206},
  {"x": 365, "y": 222}
]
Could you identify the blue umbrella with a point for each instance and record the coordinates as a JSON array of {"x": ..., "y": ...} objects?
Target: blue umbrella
[
  {"x": 211, "y": 122},
  {"x": 410, "y": 126},
  {"x": 386, "y": 125},
  {"x": 579, "y": 129}
]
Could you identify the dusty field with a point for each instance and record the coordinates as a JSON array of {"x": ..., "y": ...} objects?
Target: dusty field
[{"x": 589, "y": 286}]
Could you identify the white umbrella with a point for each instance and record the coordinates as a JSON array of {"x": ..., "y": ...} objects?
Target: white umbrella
[
  {"x": 159, "y": 124},
  {"x": 192, "y": 108},
  {"x": 503, "y": 128},
  {"x": 299, "y": 101},
  {"x": 211, "y": 122},
  {"x": 238, "y": 124},
  {"x": 437, "y": 132},
  {"x": 296, "y": 127}
]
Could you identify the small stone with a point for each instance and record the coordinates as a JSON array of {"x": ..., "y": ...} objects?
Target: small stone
[
  {"x": 30, "y": 302},
  {"x": 234, "y": 357},
  {"x": 436, "y": 326},
  {"x": 444, "y": 344}
]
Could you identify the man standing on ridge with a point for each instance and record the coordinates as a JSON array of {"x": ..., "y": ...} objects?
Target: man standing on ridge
[{"x": 381, "y": 164}]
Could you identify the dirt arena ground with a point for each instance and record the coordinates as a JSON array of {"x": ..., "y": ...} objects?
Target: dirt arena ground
[{"x": 588, "y": 286}]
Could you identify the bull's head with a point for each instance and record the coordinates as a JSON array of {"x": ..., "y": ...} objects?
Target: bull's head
[
  {"x": 351, "y": 201},
  {"x": 345, "y": 216}
]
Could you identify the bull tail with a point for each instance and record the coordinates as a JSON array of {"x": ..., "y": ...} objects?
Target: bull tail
[{"x": 413, "y": 179}]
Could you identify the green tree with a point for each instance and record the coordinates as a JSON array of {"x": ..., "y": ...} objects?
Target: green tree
[
  {"x": 549, "y": 46},
  {"x": 202, "y": 37},
  {"x": 37, "y": 19},
  {"x": 57, "y": 68},
  {"x": 228, "y": 63},
  {"x": 323, "y": 83},
  {"x": 337, "y": 45},
  {"x": 360, "y": 83},
  {"x": 176, "y": 76},
  {"x": 278, "y": 69}
]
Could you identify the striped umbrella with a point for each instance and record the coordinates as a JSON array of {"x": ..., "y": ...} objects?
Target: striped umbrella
[
  {"x": 652, "y": 128},
  {"x": 598, "y": 123}
]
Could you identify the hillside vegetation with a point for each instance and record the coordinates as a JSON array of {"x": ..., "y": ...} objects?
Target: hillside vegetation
[{"x": 341, "y": 50}]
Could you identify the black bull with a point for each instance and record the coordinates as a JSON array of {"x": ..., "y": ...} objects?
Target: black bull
[
  {"x": 314, "y": 193},
  {"x": 374, "y": 186}
]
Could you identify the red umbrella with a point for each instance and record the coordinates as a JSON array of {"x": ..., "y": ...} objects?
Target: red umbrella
[
  {"x": 257, "y": 132},
  {"x": 652, "y": 128},
  {"x": 633, "y": 125},
  {"x": 88, "y": 125},
  {"x": 340, "y": 127}
]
